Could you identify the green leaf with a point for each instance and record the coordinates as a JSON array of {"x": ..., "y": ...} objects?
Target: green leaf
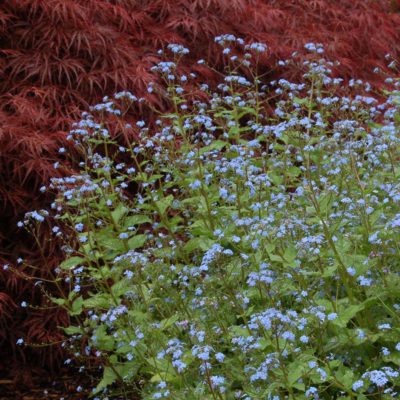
[
  {"x": 98, "y": 300},
  {"x": 199, "y": 227},
  {"x": 394, "y": 358},
  {"x": 119, "y": 288},
  {"x": 304, "y": 100},
  {"x": 164, "y": 203},
  {"x": 103, "y": 340},
  {"x": 71, "y": 262},
  {"x": 274, "y": 257},
  {"x": 217, "y": 145},
  {"x": 128, "y": 370},
  {"x": 136, "y": 220},
  {"x": 325, "y": 203},
  {"x": 290, "y": 253},
  {"x": 236, "y": 331},
  {"x": 295, "y": 372},
  {"x": 330, "y": 271},
  {"x": 347, "y": 314},
  {"x": 164, "y": 376},
  {"x": 109, "y": 377},
  {"x": 277, "y": 179},
  {"x": 58, "y": 301},
  {"x": 345, "y": 376},
  {"x": 161, "y": 365},
  {"x": 73, "y": 330},
  {"x": 198, "y": 243},
  {"x": 137, "y": 241},
  {"x": 77, "y": 306},
  {"x": 108, "y": 239},
  {"x": 153, "y": 178},
  {"x": 166, "y": 323},
  {"x": 294, "y": 172},
  {"x": 119, "y": 213}
]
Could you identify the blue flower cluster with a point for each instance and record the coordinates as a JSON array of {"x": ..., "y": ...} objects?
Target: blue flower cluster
[{"x": 258, "y": 257}]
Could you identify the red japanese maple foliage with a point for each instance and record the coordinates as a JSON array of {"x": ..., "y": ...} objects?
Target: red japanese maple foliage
[{"x": 59, "y": 56}]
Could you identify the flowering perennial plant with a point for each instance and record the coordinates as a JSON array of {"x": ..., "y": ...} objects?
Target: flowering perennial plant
[{"x": 259, "y": 256}]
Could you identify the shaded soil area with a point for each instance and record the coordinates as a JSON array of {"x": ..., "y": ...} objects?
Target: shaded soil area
[
  {"x": 60, "y": 388},
  {"x": 42, "y": 387}
]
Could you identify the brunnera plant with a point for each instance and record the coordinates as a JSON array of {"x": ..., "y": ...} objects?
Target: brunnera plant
[
  {"x": 258, "y": 258},
  {"x": 59, "y": 56}
]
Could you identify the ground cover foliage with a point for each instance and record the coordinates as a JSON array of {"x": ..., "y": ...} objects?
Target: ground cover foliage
[
  {"x": 258, "y": 258},
  {"x": 59, "y": 56}
]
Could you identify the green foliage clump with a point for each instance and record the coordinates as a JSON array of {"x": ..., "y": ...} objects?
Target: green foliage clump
[{"x": 258, "y": 257}]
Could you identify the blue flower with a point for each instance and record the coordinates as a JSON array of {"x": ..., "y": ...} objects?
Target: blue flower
[
  {"x": 79, "y": 227},
  {"x": 304, "y": 339},
  {"x": 312, "y": 392},
  {"x": 357, "y": 385},
  {"x": 195, "y": 185},
  {"x": 376, "y": 377},
  {"x": 332, "y": 316}
]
